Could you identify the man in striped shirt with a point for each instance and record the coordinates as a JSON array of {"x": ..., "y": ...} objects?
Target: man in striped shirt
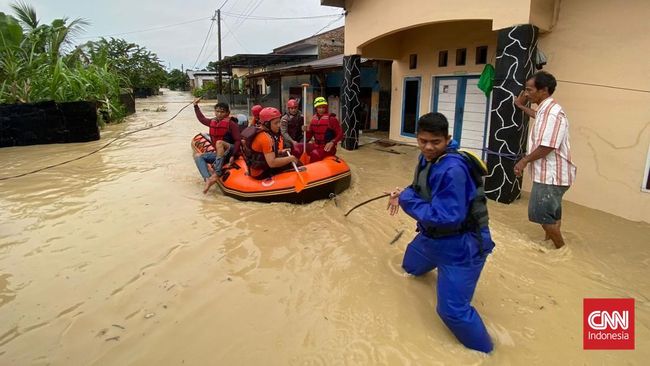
[{"x": 552, "y": 170}]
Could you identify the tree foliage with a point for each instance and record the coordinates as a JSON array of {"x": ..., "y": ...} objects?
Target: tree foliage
[
  {"x": 39, "y": 62},
  {"x": 140, "y": 67},
  {"x": 178, "y": 80}
]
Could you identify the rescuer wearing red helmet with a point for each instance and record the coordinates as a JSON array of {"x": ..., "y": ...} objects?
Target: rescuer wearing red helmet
[
  {"x": 255, "y": 111},
  {"x": 291, "y": 125},
  {"x": 264, "y": 146}
]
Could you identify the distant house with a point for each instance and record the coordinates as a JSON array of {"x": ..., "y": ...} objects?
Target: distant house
[
  {"x": 325, "y": 77},
  {"x": 595, "y": 48},
  {"x": 267, "y": 91},
  {"x": 323, "y": 45},
  {"x": 271, "y": 79},
  {"x": 198, "y": 78}
]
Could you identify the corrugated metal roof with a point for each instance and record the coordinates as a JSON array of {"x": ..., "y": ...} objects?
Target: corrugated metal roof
[{"x": 324, "y": 63}]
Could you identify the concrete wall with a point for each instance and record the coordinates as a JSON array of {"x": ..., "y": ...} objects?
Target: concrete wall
[
  {"x": 368, "y": 20},
  {"x": 602, "y": 42},
  {"x": 590, "y": 41},
  {"x": 331, "y": 43}
]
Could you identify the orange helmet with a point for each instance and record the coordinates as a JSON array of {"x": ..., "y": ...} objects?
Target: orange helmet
[
  {"x": 256, "y": 110},
  {"x": 269, "y": 113},
  {"x": 292, "y": 103}
]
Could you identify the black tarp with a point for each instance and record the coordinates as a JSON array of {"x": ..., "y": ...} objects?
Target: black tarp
[{"x": 47, "y": 123}]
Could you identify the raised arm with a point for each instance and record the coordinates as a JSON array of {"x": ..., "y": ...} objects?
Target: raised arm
[
  {"x": 520, "y": 102},
  {"x": 199, "y": 115}
]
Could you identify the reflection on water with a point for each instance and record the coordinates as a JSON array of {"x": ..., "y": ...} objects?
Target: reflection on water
[{"x": 120, "y": 259}]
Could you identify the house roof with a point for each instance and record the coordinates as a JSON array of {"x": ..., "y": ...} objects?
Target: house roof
[
  {"x": 202, "y": 73},
  {"x": 257, "y": 60},
  {"x": 309, "y": 41},
  {"x": 307, "y": 67}
]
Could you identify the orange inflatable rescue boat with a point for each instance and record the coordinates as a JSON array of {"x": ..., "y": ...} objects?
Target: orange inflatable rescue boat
[{"x": 316, "y": 181}]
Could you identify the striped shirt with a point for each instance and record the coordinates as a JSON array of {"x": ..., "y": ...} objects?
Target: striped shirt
[{"x": 551, "y": 129}]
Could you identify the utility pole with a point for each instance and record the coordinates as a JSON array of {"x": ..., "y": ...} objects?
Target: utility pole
[{"x": 219, "y": 85}]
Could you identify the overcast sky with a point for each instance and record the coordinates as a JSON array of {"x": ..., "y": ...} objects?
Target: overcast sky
[{"x": 180, "y": 44}]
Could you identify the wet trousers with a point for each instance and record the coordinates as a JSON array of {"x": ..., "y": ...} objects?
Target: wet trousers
[
  {"x": 455, "y": 289},
  {"x": 316, "y": 152}
]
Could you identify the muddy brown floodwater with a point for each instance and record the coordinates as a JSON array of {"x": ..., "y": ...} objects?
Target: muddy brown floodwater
[{"x": 119, "y": 259}]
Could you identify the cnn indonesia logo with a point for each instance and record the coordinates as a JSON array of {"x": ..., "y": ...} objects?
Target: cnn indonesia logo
[{"x": 608, "y": 323}]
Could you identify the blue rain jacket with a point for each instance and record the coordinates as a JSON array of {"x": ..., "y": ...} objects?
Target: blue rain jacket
[{"x": 452, "y": 191}]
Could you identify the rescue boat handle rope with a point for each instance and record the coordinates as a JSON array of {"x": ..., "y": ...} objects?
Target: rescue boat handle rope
[
  {"x": 365, "y": 202},
  {"x": 94, "y": 151}
]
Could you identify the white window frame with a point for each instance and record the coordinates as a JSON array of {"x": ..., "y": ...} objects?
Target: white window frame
[{"x": 646, "y": 172}]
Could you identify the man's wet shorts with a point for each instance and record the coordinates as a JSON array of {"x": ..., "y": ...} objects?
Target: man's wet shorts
[{"x": 545, "y": 205}]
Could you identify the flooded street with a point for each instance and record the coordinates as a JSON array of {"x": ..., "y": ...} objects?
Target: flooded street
[{"x": 119, "y": 259}]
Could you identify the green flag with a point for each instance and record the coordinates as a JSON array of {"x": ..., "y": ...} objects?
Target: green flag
[{"x": 486, "y": 81}]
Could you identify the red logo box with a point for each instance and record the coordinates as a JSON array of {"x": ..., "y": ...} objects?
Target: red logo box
[{"x": 608, "y": 324}]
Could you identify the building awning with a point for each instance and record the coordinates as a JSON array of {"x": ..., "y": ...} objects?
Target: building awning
[
  {"x": 305, "y": 68},
  {"x": 334, "y": 3},
  {"x": 256, "y": 60},
  {"x": 202, "y": 73}
]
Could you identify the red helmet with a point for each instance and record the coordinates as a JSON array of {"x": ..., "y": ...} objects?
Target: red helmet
[
  {"x": 256, "y": 110},
  {"x": 292, "y": 103},
  {"x": 269, "y": 113}
]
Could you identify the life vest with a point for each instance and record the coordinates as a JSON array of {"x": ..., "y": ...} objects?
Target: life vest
[
  {"x": 255, "y": 160},
  {"x": 294, "y": 126},
  {"x": 320, "y": 127},
  {"x": 477, "y": 215},
  {"x": 220, "y": 130}
]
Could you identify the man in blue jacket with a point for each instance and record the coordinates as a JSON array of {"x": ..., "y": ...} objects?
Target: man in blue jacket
[{"x": 448, "y": 202}]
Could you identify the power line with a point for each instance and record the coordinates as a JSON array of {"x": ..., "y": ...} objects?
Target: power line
[
  {"x": 224, "y": 38},
  {"x": 253, "y": 6},
  {"x": 147, "y": 30},
  {"x": 235, "y": 36},
  {"x": 204, "y": 43},
  {"x": 209, "y": 55},
  {"x": 249, "y": 13},
  {"x": 330, "y": 23},
  {"x": 248, "y": 6},
  {"x": 256, "y": 17},
  {"x": 224, "y": 4}
]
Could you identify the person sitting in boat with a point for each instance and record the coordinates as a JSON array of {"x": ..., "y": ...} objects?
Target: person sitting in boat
[
  {"x": 224, "y": 136},
  {"x": 255, "y": 111},
  {"x": 264, "y": 148},
  {"x": 326, "y": 130},
  {"x": 242, "y": 122},
  {"x": 291, "y": 126}
]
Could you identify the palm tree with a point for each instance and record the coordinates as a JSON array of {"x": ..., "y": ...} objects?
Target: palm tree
[
  {"x": 55, "y": 38},
  {"x": 26, "y": 15}
]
